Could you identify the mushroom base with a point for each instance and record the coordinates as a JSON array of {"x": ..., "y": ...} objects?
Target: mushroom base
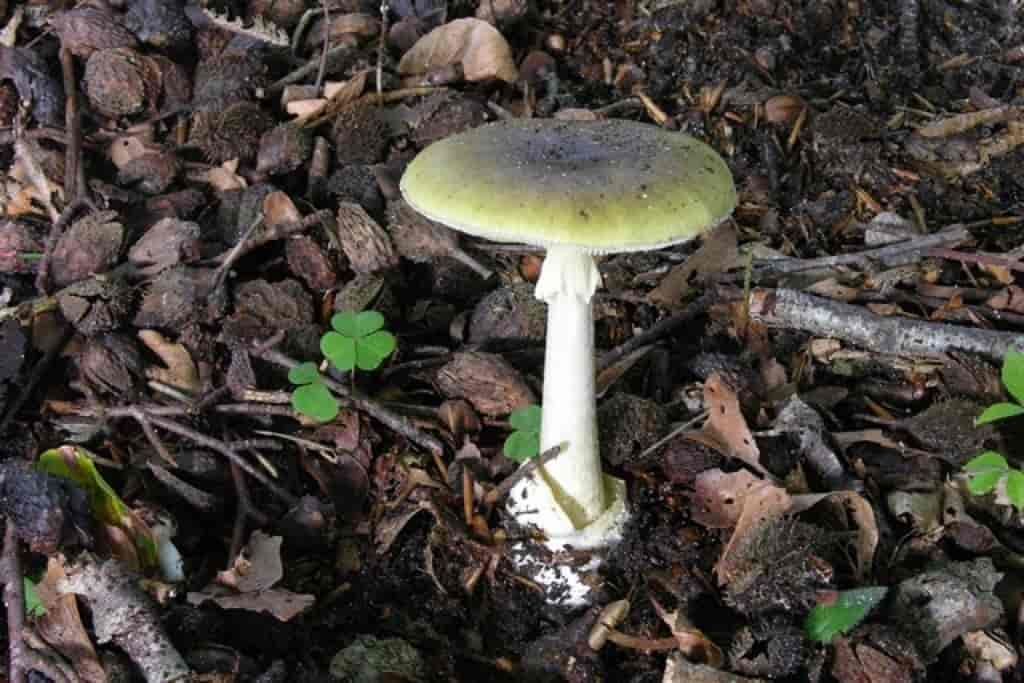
[{"x": 565, "y": 566}]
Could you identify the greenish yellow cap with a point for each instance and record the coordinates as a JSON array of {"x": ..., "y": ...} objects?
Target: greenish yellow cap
[{"x": 603, "y": 186}]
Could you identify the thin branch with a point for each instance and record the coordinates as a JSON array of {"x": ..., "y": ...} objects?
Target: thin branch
[
  {"x": 14, "y": 599},
  {"x": 890, "y": 335},
  {"x": 140, "y": 415},
  {"x": 496, "y": 494},
  {"x": 392, "y": 420},
  {"x": 656, "y": 331}
]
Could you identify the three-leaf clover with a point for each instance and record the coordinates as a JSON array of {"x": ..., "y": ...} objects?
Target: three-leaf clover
[
  {"x": 826, "y": 621},
  {"x": 357, "y": 341},
  {"x": 311, "y": 396},
  {"x": 524, "y": 442}
]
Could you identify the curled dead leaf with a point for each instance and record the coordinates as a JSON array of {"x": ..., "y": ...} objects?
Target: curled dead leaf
[{"x": 474, "y": 45}]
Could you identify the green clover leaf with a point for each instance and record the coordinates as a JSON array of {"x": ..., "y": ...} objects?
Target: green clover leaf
[
  {"x": 304, "y": 373},
  {"x": 827, "y": 621},
  {"x": 357, "y": 341},
  {"x": 524, "y": 442},
  {"x": 315, "y": 401},
  {"x": 985, "y": 471}
]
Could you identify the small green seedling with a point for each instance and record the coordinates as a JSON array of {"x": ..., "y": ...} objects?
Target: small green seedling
[
  {"x": 358, "y": 341},
  {"x": 826, "y": 621},
  {"x": 34, "y": 606},
  {"x": 76, "y": 464},
  {"x": 986, "y": 471},
  {"x": 524, "y": 441},
  {"x": 311, "y": 397}
]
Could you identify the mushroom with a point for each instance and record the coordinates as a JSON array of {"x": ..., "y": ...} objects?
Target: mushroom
[{"x": 577, "y": 189}]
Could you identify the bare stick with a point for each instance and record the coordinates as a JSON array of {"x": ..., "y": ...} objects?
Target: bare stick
[
  {"x": 14, "y": 598},
  {"x": 891, "y": 335},
  {"x": 73, "y": 123},
  {"x": 496, "y": 494}
]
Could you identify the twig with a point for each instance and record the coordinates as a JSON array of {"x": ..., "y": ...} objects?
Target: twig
[
  {"x": 274, "y": 89},
  {"x": 74, "y": 178},
  {"x": 890, "y": 335},
  {"x": 686, "y": 426},
  {"x": 14, "y": 599},
  {"x": 386, "y": 417},
  {"x": 139, "y": 415},
  {"x": 62, "y": 221},
  {"x": 319, "y": 83},
  {"x": 657, "y": 331},
  {"x": 38, "y": 371},
  {"x": 890, "y": 255},
  {"x": 231, "y": 257},
  {"x": 979, "y": 258},
  {"x": 496, "y": 494},
  {"x": 385, "y": 8}
]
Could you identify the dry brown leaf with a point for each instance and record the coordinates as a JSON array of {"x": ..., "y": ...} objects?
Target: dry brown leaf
[
  {"x": 127, "y": 148},
  {"x": 719, "y": 497},
  {"x": 282, "y": 604},
  {"x": 764, "y": 502},
  {"x": 854, "y": 508},
  {"x": 225, "y": 178},
  {"x": 181, "y": 371},
  {"x": 476, "y": 46},
  {"x": 718, "y": 253},
  {"x": 832, "y": 289},
  {"x": 338, "y": 95},
  {"x": 257, "y": 567},
  {"x": 692, "y": 642},
  {"x": 279, "y": 209},
  {"x": 1009, "y": 299},
  {"x": 726, "y": 424},
  {"x": 62, "y": 626}
]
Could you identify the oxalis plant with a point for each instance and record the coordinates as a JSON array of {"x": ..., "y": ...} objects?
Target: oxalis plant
[
  {"x": 357, "y": 341},
  {"x": 986, "y": 471}
]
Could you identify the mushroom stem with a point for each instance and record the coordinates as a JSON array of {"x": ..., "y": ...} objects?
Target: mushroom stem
[{"x": 567, "y": 283}]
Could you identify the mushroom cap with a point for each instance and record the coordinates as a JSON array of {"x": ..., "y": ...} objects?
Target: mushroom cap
[{"x": 603, "y": 186}]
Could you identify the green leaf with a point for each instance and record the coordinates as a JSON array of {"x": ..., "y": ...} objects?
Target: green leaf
[
  {"x": 304, "y": 373},
  {"x": 33, "y": 605},
  {"x": 521, "y": 446},
  {"x": 345, "y": 323},
  {"x": 357, "y": 324},
  {"x": 984, "y": 482},
  {"x": 526, "y": 419},
  {"x": 1013, "y": 374},
  {"x": 1015, "y": 488},
  {"x": 75, "y": 463},
  {"x": 827, "y": 621},
  {"x": 989, "y": 461},
  {"x": 340, "y": 350},
  {"x": 315, "y": 401},
  {"x": 373, "y": 349},
  {"x": 999, "y": 411}
]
